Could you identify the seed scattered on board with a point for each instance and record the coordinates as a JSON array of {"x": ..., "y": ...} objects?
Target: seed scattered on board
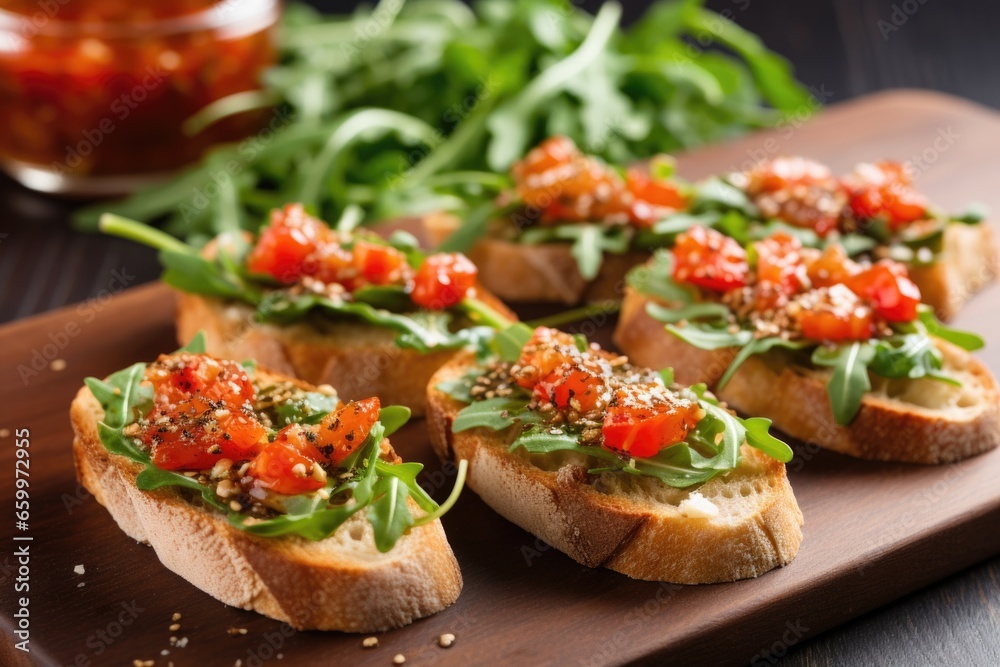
[
  {"x": 58, "y": 364},
  {"x": 370, "y": 642},
  {"x": 446, "y": 640},
  {"x": 399, "y": 659}
]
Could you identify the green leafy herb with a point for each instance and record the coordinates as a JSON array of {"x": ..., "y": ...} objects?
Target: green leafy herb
[
  {"x": 655, "y": 279},
  {"x": 589, "y": 242},
  {"x": 849, "y": 381},
  {"x": 420, "y": 114},
  {"x": 964, "y": 339}
]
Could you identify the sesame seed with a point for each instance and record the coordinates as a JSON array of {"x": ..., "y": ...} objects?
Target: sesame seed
[
  {"x": 176, "y": 616},
  {"x": 446, "y": 640},
  {"x": 174, "y": 627},
  {"x": 235, "y": 506},
  {"x": 370, "y": 642},
  {"x": 398, "y": 659},
  {"x": 58, "y": 365}
]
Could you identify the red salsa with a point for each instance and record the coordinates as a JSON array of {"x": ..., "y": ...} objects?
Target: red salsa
[{"x": 99, "y": 88}]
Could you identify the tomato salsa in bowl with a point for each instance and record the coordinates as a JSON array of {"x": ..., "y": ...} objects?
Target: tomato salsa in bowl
[{"x": 93, "y": 93}]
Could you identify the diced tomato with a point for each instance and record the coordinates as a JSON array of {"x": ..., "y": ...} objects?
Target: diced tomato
[
  {"x": 709, "y": 259},
  {"x": 342, "y": 431},
  {"x": 651, "y": 197},
  {"x": 839, "y": 315},
  {"x": 887, "y": 286},
  {"x": 832, "y": 267},
  {"x": 284, "y": 248},
  {"x": 194, "y": 435},
  {"x": 379, "y": 264},
  {"x": 579, "y": 383},
  {"x": 780, "y": 271},
  {"x": 785, "y": 172},
  {"x": 332, "y": 264},
  {"x": 885, "y": 190},
  {"x": 641, "y": 430},
  {"x": 179, "y": 377},
  {"x": 443, "y": 280},
  {"x": 284, "y": 467},
  {"x": 566, "y": 185},
  {"x": 546, "y": 350},
  {"x": 550, "y": 154}
]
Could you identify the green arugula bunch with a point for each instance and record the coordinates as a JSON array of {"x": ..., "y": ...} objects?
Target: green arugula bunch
[
  {"x": 407, "y": 107},
  {"x": 711, "y": 448},
  {"x": 377, "y": 487},
  {"x": 225, "y": 276},
  {"x": 908, "y": 353}
]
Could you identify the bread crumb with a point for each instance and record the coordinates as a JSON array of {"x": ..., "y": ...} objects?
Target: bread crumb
[
  {"x": 58, "y": 365},
  {"x": 370, "y": 642},
  {"x": 446, "y": 640},
  {"x": 697, "y": 506},
  {"x": 398, "y": 659},
  {"x": 236, "y": 631},
  {"x": 79, "y": 569}
]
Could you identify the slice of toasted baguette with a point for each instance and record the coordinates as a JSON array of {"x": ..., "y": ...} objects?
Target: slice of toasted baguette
[
  {"x": 632, "y": 525},
  {"x": 546, "y": 272},
  {"x": 914, "y": 421},
  {"x": 968, "y": 261},
  {"x": 356, "y": 358},
  {"x": 340, "y": 583}
]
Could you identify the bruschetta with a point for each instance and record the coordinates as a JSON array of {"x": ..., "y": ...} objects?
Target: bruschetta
[
  {"x": 266, "y": 492},
  {"x": 367, "y": 315},
  {"x": 572, "y": 226},
  {"x": 613, "y": 464},
  {"x": 837, "y": 353}
]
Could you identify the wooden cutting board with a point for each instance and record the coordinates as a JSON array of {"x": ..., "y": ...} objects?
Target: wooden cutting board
[{"x": 873, "y": 531}]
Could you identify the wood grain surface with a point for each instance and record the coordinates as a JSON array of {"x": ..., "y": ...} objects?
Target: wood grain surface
[{"x": 874, "y": 532}]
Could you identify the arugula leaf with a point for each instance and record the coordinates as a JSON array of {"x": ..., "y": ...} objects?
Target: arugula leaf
[
  {"x": 407, "y": 473},
  {"x": 589, "y": 242},
  {"x": 423, "y": 331},
  {"x": 707, "y": 337},
  {"x": 758, "y": 346},
  {"x": 759, "y": 436},
  {"x": 975, "y": 214},
  {"x": 907, "y": 356},
  {"x": 389, "y": 514},
  {"x": 495, "y": 414},
  {"x": 964, "y": 339},
  {"x": 850, "y": 376},
  {"x": 196, "y": 345},
  {"x": 310, "y": 408},
  {"x": 393, "y": 417},
  {"x": 151, "y": 478},
  {"x": 705, "y": 311},
  {"x": 509, "y": 342},
  {"x": 655, "y": 279},
  {"x": 715, "y": 194}
]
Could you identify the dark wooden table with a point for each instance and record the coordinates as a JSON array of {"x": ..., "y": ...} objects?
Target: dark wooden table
[{"x": 842, "y": 47}]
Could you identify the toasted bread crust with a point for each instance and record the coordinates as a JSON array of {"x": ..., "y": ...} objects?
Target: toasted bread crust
[
  {"x": 968, "y": 262},
  {"x": 640, "y": 538},
  {"x": 340, "y": 583},
  {"x": 358, "y": 359},
  {"x": 795, "y": 398}
]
